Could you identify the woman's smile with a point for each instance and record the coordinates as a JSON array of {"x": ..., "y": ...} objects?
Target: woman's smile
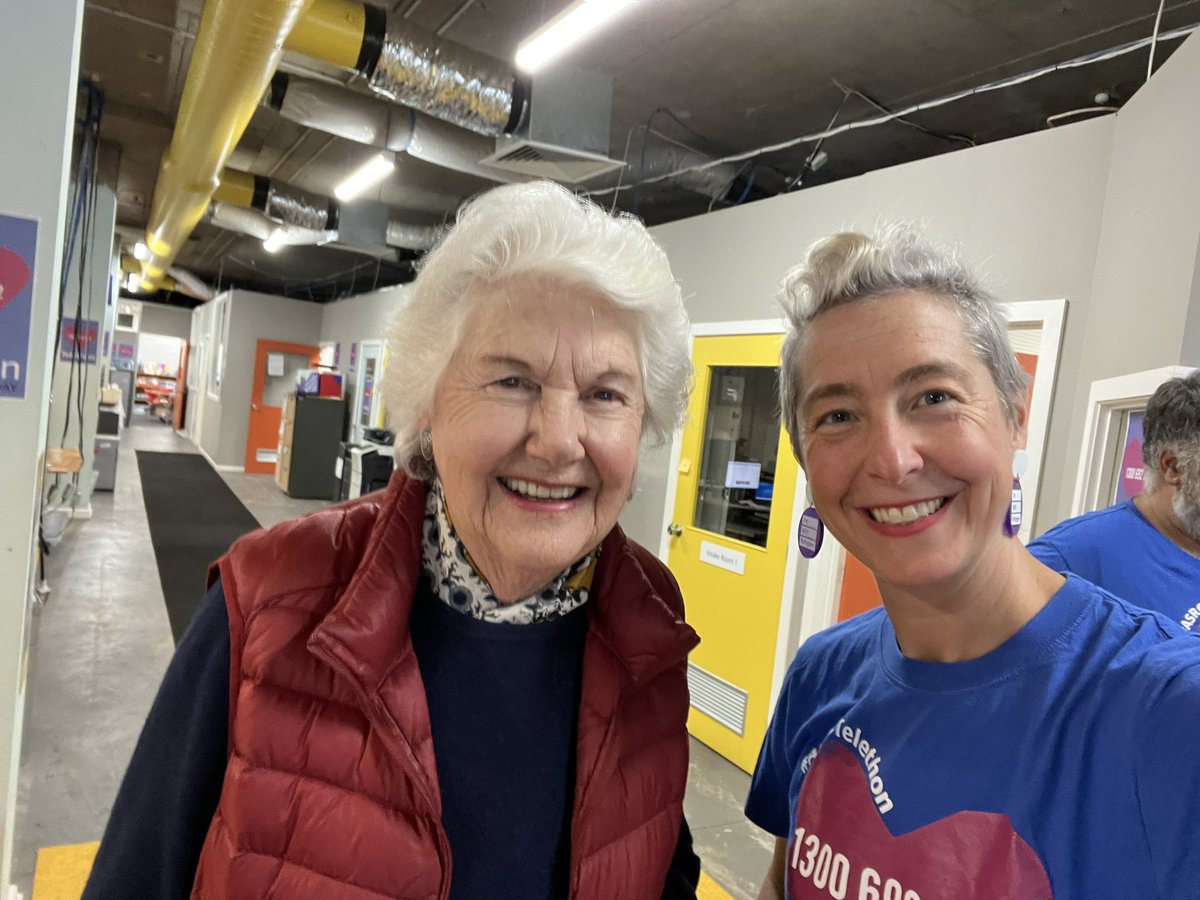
[
  {"x": 920, "y": 512},
  {"x": 536, "y": 427},
  {"x": 543, "y": 496},
  {"x": 907, "y": 448}
]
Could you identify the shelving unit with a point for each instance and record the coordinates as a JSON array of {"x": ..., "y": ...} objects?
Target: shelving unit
[{"x": 157, "y": 392}]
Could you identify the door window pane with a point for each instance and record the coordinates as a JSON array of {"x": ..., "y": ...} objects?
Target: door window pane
[{"x": 737, "y": 462}]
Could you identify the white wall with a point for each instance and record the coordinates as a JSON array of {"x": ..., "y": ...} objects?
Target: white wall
[
  {"x": 38, "y": 115},
  {"x": 1027, "y": 210}
]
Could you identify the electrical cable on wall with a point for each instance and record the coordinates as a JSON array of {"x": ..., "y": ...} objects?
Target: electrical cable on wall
[
  {"x": 1011, "y": 81},
  {"x": 79, "y": 231}
]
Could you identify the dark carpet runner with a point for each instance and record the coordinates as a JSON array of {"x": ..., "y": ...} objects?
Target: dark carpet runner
[{"x": 194, "y": 517}]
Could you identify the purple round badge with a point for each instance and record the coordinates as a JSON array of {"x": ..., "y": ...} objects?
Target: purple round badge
[{"x": 811, "y": 533}]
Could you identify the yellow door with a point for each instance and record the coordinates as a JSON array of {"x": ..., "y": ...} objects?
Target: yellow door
[{"x": 730, "y": 535}]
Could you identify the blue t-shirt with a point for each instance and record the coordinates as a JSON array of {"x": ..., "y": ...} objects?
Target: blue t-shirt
[
  {"x": 1064, "y": 764},
  {"x": 1118, "y": 549}
]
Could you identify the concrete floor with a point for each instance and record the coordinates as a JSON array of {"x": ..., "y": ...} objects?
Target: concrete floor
[{"x": 102, "y": 641}]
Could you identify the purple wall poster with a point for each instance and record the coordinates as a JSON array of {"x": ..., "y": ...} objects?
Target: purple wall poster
[
  {"x": 1129, "y": 479},
  {"x": 18, "y": 254},
  {"x": 79, "y": 341}
]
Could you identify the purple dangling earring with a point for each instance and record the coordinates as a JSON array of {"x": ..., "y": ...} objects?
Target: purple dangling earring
[
  {"x": 1012, "y": 521},
  {"x": 811, "y": 532}
]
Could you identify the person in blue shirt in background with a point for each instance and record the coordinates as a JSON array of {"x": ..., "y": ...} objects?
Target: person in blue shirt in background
[
  {"x": 1147, "y": 549},
  {"x": 995, "y": 730}
]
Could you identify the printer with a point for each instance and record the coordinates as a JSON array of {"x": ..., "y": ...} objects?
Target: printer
[{"x": 365, "y": 467}]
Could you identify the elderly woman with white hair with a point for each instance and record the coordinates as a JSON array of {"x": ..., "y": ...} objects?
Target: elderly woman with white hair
[
  {"x": 995, "y": 730},
  {"x": 471, "y": 685}
]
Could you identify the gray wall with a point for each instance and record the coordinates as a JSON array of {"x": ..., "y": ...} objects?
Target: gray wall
[
  {"x": 172, "y": 321},
  {"x": 252, "y": 317},
  {"x": 1145, "y": 269},
  {"x": 1027, "y": 210}
]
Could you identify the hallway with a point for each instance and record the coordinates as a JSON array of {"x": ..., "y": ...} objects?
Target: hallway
[{"x": 102, "y": 641}]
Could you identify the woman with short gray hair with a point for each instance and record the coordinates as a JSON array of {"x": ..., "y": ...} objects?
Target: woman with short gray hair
[{"x": 994, "y": 730}]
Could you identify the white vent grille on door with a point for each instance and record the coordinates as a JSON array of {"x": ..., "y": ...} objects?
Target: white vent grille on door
[{"x": 717, "y": 698}]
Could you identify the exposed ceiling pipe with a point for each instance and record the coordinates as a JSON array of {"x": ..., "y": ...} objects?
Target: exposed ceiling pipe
[
  {"x": 379, "y": 123},
  {"x": 278, "y": 200},
  {"x": 414, "y": 67},
  {"x": 237, "y": 49},
  {"x": 176, "y": 279},
  {"x": 256, "y": 224},
  {"x": 243, "y": 204},
  {"x": 187, "y": 283},
  {"x": 413, "y": 237}
]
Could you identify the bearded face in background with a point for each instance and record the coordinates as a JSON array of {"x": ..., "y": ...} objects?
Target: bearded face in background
[{"x": 1186, "y": 503}]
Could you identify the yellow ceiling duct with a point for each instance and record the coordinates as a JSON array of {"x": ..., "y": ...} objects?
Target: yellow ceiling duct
[
  {"x": 237, "y": 50},
  {"x": 331, "y": 30}
]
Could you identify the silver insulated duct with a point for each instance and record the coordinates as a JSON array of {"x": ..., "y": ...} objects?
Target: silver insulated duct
[
  {"x": 446, "y": 80},
  {"x": 294, "y": 206}
]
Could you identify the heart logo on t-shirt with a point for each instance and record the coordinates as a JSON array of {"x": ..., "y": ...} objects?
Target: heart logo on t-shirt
[
  {"x": 14, "y": 275},
  {"x": 842, "y": 848}
]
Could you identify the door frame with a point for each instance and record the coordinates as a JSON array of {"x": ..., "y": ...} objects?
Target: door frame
[
  {"x": 815, "y": 607},
  {"x": 802, "y": 614},
  {"x": 1108, "y": 399}
]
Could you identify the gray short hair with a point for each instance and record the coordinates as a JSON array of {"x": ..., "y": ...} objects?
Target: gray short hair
[
  {"x": 537, "y": 229},
  {"x": 849, "y": 267},
  {"x": 1172, "y": 424}
]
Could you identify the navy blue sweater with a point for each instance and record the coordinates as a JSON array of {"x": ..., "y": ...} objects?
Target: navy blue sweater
[{"x": 505, "y": 764}]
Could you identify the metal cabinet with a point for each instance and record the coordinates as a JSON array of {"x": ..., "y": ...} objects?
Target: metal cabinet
[{"x": 310, "y": 435}]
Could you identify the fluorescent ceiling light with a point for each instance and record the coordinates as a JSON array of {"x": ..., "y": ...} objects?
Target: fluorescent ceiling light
[
  {"x": 566, "y": 30},
  {"x": 141, "y": 251},
  {"x": 368, "y": 174},
  {"x": 274, "y": 240}
]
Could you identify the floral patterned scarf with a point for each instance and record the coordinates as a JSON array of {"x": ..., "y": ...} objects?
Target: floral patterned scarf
[{"x": 460, "y": 586}]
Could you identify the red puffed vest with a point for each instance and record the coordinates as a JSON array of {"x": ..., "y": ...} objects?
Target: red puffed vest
[{"x": 331, "y": 790}]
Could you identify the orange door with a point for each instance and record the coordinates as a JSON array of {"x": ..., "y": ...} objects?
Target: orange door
[
  {"x": 180, "y": 388},
  {"x": 276, "y": 367}
]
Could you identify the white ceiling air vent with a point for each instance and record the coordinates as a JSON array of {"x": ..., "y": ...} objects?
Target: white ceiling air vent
[
  {"x": 564, "y": 134},
  {"x": 533, "y": 158}
]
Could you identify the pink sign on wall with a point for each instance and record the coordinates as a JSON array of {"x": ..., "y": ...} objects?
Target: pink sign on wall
[{"x": 1130, "y": 478}]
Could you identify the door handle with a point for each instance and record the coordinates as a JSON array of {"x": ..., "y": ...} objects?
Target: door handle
[{"x": 674, "y": 530}]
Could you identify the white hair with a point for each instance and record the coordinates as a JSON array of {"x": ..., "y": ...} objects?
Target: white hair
[
  {"x": 849, "y": 267},
  {"x": 543, "y": 230}
]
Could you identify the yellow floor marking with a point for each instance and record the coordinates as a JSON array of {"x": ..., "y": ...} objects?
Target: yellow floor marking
[
  {"x": 707, "y": 889},
  {"x": 62, "y": 872}
]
